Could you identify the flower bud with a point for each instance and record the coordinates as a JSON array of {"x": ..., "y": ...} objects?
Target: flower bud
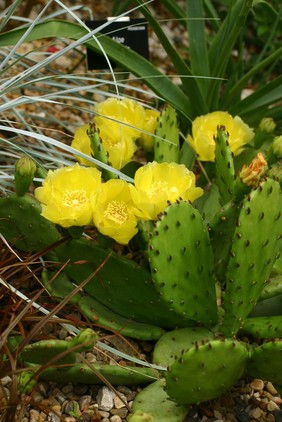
[
  {"x": 264, "y": 132},
  {"x": 25, "y": 169},
  {"x": 277, "y": 146},
  {"x": 251, "y": 175},
  {"x": 86, "y": 339},
  {"x": 267, "y": 125}
]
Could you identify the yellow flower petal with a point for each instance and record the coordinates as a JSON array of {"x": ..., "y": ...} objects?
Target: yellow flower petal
[
  {"x": 114, "y": 211},
  {"x": 157, "y": 184},
  {"x": 81, "y": 142},
  {"x": 150, "y": 124},
  {"x": 204, "y": 129},
  {"x": 66, "y": 193},
  {"x": 113, "y": 111},
  {"x": 120, "y": 150}
]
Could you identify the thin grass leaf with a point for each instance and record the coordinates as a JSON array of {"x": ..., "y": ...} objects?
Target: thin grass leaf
[
  {"x": 176, "y": 11},
  {"x": 197, "y": 43},
  {"x": 67, "y": 148},
  {"x": 8, "y": 13},
  {"x": 190, "y": 84},
  {"x": 222, "y": 45},
  {"x": 260, "y": 100},
  {"x": 228, "y": 99},
  {"x": 126, "y": 58},
  {"x": 212, "y": 14}
]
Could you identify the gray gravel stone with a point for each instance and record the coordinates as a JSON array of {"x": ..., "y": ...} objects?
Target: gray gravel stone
[{"x": 105, "y": 398}]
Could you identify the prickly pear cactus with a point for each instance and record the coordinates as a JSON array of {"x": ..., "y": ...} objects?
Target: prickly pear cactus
[
  {"x": 98, "y": 150},
  {"x": 225, "y": 172},
  {"x": 265, "y": 362},
  {"x": 121, "y": 285},
  {"x": 45, "y": 350},
  {"x": 154, "y": 403},
  {"x": 98, "y": 314},
  {"x": 172, "y": 343},
  {"x": 166, "y": 145},
  {"x": 255, "y": 246},
  {"x": 264, "y": 327},
  {"x": 205, "y": 371},
  {"x": 181, "y": 262},
  {"x": 22, "y": 225}
]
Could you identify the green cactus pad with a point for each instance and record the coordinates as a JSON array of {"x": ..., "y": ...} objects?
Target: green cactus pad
[
  {"x": 181, "y": 262},
  {"x": 116, "y": 375},
  {"x": 266, "y": 362},
  {"x": 98, "y": 150},
  {"x": 171, "y": 344},
  {"x": 222, "y": 229},
  {"x": 99, "y": 314},
  {"x": 204, "y": 372},
  {"x": 263, "y": 327},
  {"x": 225, "y": 173},
  {"x": 154, "y": 401},
  {"x": 43, "y": 351},
  {"x": 166, "y": 147},
  {"x": 268, "y": 307},
  {"x": 22, "y": 225},
  {"x": 254, "y": 250},
  {"x": 273, "y": 288},
  {"x": 121, "y": 285}
]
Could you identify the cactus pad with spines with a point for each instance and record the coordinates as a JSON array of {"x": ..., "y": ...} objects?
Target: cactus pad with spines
[
  {"x": 99, "y": 314},
  {"x": 153, "y": 401},
  {"x": 273, "y": 288},
  {"x": 225, "y": 172},
  {"x": 23, "y": 226},
  {"x": 166, "y": 144},
  {"x": 115, "y": 374},
  {"x": 264, "y": 327},
  {"x": 254, "y": 249},
  {"x": 181, "y": 262},
  {"x": 43, "y": 351},
  {"x": 121, "y": 285},
  {"x": 171, "y": 344},
  {"x": 265, "y": 362},
  {"x": 204, "y": 372}
]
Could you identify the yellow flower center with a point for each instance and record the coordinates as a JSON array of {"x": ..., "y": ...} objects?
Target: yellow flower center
[
  {"x": 74, "y": 198},
  {"x": 116, "y": 211},
  {"x": 157, "y": 188}
]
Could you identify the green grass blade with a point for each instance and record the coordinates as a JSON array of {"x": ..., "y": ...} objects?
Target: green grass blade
[
  {"x": 222, "y": 45},
  {"x": 197, "y": 43},
  {"x": 260, "y": 100},
  {"x": 176, "y": 11},
  {"x": 126, "y": 58},
  {"x": 227, "y": 101},
  {"x": 189, "y": 81},
  {"x": 212, "y": 14}
]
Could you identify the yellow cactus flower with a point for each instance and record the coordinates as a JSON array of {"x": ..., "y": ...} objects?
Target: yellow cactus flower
[
  {"x": 150, "y": 124},
  {"x": 204, "y": 129},
  {"x": 156, "y": 184},
  {"x": 120, "y": 150},
  {"x": 113, "y": 111},
  {"x": 81, "y": 142},
  {"x": 66, "y": 193},
  {"x": 114, "y": 211}
]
